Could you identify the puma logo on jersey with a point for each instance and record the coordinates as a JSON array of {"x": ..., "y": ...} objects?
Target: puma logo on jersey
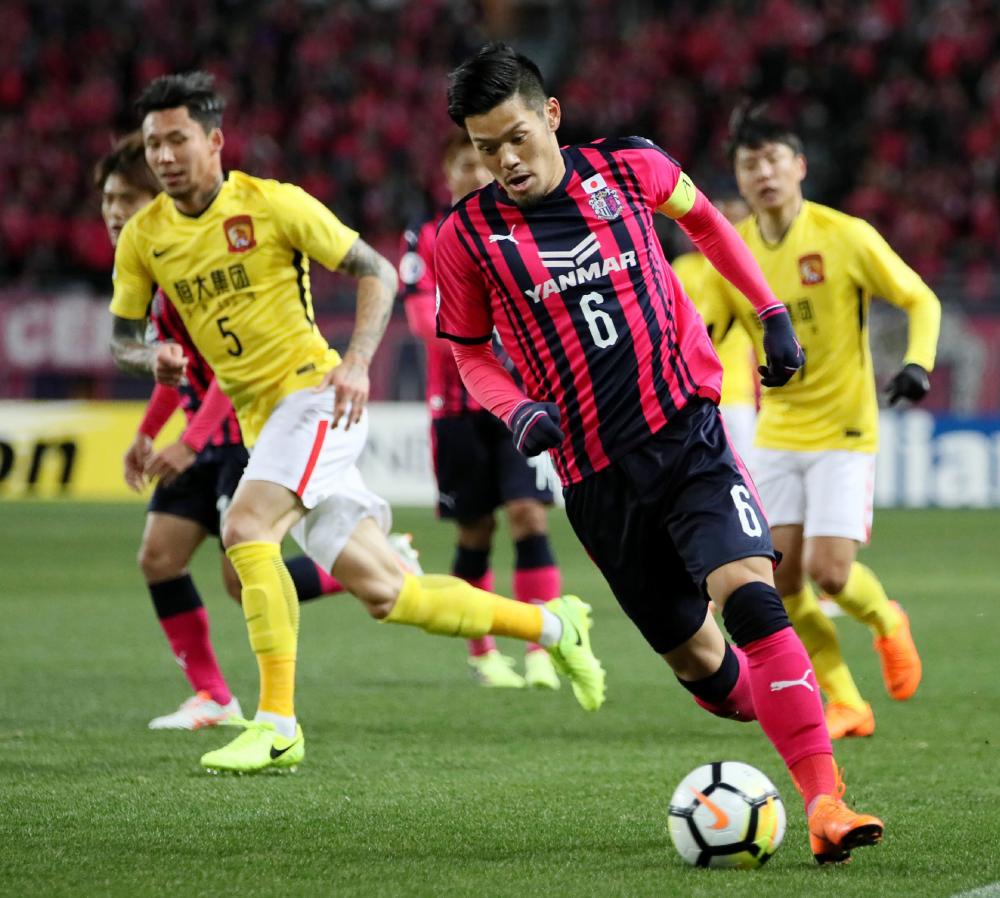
[
  {"x": 581, "y": 274},
  {"x": 778, "y": 685},
  {"x": 496, "y": 238}
]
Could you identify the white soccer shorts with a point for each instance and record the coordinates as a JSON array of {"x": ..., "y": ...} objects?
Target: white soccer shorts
[
  {"x": 830, "y": 493},
  {"x": 741, "y": 422},
  {"x": 298, "y": 450}
]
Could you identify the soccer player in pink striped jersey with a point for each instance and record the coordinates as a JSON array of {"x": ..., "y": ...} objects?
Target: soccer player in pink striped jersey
[
  {"x": 476, "y": 467},
  {"x": 621, "y": 384}
]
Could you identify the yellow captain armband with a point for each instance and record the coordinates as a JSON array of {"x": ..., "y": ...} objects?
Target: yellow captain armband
[{"x": 679, "y": 202}]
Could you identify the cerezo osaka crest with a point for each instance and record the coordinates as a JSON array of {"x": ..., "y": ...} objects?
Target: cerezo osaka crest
[{"x": 603, "y": 200}]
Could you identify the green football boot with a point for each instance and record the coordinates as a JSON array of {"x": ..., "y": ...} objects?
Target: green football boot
[
  {"x": 495, "y": 671},
  {"x": 259, "y": 747},
  {"x": 539, "y": 671},
  {"x": 573, "y": 656}
]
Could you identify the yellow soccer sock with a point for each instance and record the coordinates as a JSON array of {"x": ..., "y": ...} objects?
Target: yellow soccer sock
[
  {"x": 451, "y": 607},
  {"x": 819, "y": 636},
  {"x": 864, "y": 599},
  {"x": 277, "y": 684},
  {"x": 271, "y": 608}
]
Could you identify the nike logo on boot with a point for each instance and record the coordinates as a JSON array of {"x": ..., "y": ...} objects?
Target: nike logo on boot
[{"x": 278, "y": 752}]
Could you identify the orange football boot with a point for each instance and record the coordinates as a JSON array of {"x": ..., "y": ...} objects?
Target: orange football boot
[
  {"x": 843, "y": 720},
  {"x": 901, "y": 667},
  {"x": 834, "y": 829}
]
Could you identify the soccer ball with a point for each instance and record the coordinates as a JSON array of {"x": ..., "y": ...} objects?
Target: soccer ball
[{"x": 726, "y": 814}]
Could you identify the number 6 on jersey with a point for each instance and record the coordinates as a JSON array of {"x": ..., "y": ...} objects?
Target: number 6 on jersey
[
  {"x": 601, "y": 324},
  {"x": 748, "y": 516}
]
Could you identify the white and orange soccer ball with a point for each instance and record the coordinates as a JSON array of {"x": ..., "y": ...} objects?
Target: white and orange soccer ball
[{"x": 726, "y": 814}]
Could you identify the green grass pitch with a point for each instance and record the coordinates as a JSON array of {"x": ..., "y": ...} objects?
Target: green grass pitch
[{"x": 416, "y": 781}]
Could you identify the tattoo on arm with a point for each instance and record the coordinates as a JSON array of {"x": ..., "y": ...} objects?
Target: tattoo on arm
[
  {"x": 377, "y": 286},
  {"x": 129, "y": 348}
]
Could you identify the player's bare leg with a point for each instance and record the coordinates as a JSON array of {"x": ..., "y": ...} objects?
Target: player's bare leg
[
  {"x": 847, "y": 713},
  {"x": 168, "y": 542},
  {"x": 831, "y": 562}
]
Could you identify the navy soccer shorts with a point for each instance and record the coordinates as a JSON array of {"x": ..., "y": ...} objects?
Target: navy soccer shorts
[
  {"x": 478, "y": 469},
  {"x": 661, "y": 518},
  {"x": 204, "y": 490}
]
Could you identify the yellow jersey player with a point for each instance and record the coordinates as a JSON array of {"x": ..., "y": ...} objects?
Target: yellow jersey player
[
  {"x": 232, "y": 254},
  {"x": 814, "y": 454},
  {"x": 739, "y": 392}
]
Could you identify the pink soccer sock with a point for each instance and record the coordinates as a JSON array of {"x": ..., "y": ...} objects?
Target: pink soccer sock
[
  {"x": 786, "y": 697},
  {"x": 485, "y": 643},
  {"x": 537, "y": 585},
  {"x": 738, "y": 705},
  {"x": 189, "y": 638},
  {"x": 328, "y": 583},
  {"x": 814, "y": 775}
]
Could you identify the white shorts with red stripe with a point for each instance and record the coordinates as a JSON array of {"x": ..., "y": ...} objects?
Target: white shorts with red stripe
[
  {"x": 829, "y": 493},
  {"x": 298, "y": 450}
]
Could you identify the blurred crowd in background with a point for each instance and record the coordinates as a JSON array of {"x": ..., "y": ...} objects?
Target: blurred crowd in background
[{"x": 898, "y": 102}]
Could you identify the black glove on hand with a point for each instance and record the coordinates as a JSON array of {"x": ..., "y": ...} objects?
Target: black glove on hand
[
  {"x": 910, "y": 383},
  {"x": 535, "y": 426},
  {"x": 781, "y": 347}
]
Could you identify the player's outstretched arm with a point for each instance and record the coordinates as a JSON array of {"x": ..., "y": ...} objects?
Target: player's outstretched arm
[{"x": 377, "y": 286}]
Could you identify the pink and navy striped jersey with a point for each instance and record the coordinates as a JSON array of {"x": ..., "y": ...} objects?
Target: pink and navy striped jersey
[
  {"x": 169, "y": 326},
  {"x": 583, "y": 299},
  {"x": 446, "y": 394}
]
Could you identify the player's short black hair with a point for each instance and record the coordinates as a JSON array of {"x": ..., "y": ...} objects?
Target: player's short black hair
[
  {"x": 493, "y": 75},
  {"x": 128, "y": 159},
  {"x": 752, "y": 127},
  {"x": 193, "y": 90}
]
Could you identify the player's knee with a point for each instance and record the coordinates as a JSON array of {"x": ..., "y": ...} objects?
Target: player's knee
[
  {"x": 788, "y": 579},
  {"x": 240, "y": 527},
  {"x": 725, "y": 580},
  {"x": 159, "y": 563},
  {"x": 477, "y": 533},
  {"x": 378, "y": 591},
  {"x": 829, "y": 575},
  {"x": 527, "y": 517}
]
